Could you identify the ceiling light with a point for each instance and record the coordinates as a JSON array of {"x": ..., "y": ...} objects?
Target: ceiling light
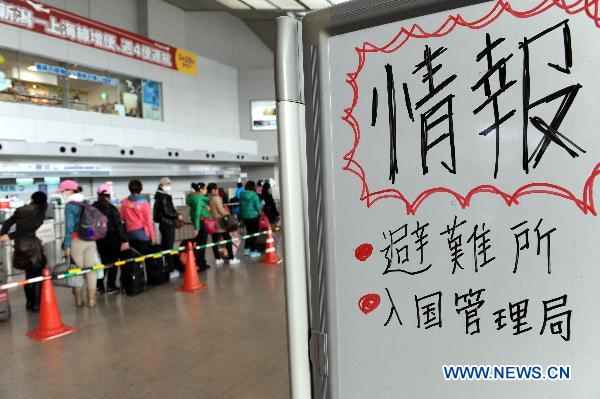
[
  {"x": 260, "y": 4},
  {"x": 316, "y": 4},
  {"x": 288, "y": 4},
  {"x": 338, "y": 1},
  {"x": 234, "y": 4},
  {"x": 32, "y": 68},
  {"x": 73, "y": 76}
]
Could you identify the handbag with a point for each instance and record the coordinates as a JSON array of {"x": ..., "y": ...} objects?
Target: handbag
[
  {"x": 230, "y": 223},
  {"x": 69, "y": 282},
  {"x": 29, "y": 254},
  {"x": 263, "y": 222},
  {"x": 210, "y": 224}
]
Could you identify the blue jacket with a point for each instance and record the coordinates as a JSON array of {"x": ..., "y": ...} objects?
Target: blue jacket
[{"x": 72, "y": 218}]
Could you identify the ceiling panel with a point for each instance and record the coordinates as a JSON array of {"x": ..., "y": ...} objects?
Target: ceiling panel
[
  {"x": 316, "y": 4},
  {"x": 260, "y": 4},
  {"x": 198, "y": 5},
  {"x": 234, "y": 4},
  {"x": 288, "y": 5}
]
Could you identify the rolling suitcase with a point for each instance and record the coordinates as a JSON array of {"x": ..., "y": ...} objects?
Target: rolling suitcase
[
  {"x": 157, "y": 269},
  {"x": 133, "y": 279},
  {"x": 4, "y": 302}
]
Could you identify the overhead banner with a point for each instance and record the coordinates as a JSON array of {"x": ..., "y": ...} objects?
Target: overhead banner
[{"x": 40, "y": 18}]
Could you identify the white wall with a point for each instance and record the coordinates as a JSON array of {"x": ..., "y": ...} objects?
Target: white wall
[
  {"x": 256, "y": 84},
  {"x": 166, "y": 23},
  {"x": 200, "y": 112},
  {"x": 226, "y": 39},
  {"x": 119, "y": 13}
]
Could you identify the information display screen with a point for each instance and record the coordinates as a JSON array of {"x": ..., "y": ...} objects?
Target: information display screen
[{"x": 264, "y": 115}]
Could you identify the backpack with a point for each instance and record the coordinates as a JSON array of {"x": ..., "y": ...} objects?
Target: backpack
[{"x": 93, "y": 224}]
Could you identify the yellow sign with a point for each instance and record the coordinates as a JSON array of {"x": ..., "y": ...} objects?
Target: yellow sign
[{"x": 185, "y": 61}]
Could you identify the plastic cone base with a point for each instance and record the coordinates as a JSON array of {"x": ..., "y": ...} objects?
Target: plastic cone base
[
  {"x": 48, "y": 335},
  {"x": 199, "y": 288},
  {"x": 271, "y": 259}
]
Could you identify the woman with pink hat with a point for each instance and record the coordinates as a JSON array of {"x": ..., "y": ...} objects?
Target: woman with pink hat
[
  {"x": 114, "y": 242},
  {"x": 83, "y": 253}
]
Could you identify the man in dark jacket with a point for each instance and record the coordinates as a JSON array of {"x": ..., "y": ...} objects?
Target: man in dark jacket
[
  {"x": 166, "y": 216},
  {"x": 115, "y": 241}
]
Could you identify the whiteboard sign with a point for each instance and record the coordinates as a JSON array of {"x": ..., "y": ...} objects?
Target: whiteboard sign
[{"x": 465, "y": 147}]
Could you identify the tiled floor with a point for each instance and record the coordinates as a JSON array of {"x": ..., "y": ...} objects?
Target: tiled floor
[{"x": 228, "y": 341}]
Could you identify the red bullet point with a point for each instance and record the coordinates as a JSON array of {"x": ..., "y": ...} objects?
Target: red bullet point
[
  {"x": 369, "y": 303},
  {"x": 363, "y": 252}
]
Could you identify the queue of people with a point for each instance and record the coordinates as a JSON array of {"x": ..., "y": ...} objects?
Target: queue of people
[
  {"x": 99, "y": 232},
  {"x": 207, "y": 209}
]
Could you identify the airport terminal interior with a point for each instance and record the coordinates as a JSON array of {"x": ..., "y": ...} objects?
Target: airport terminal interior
[
  {"x": 299, "y": 199},
  {"x": 164, "y": 111}
]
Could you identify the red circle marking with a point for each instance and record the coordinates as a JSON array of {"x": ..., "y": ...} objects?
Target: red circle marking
[
  {"x": 363, "y": 252},
  {"x": 369, "y": 303}
]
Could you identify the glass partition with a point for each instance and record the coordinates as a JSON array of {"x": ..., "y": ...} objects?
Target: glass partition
[{"x": 38, "y": 80}]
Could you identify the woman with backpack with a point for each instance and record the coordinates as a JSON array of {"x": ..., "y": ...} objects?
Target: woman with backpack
[
  {"x": 250, "y": 207},
  {"x": 114, "y": 242},
  {"x": 198, "y": 203},
  {"x": 29, "y": 252},
  {"x": 81, "y": 251},
  {"x": 215, "y": 205},
  {"x": 135, "y": 213}
]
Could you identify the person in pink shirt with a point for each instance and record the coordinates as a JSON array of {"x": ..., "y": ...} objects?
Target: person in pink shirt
[{"x": 135, "y": 212}]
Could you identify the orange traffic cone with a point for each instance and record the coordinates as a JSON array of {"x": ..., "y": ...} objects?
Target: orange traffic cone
[
  {"x": 191, "y": 281},
  {"x": 270, "y": 257},
  {"x": 51, "y": 325}
]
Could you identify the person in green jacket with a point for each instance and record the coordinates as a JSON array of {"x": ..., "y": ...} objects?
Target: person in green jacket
[
  {"x": 198, "y": 203},
  {"x": 250, "y": 207}
]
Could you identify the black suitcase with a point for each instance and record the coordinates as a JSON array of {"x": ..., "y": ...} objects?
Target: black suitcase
[
  {"x": 157, "y": 269},
  {"x": 133, "y": 279},
  {"x": 4, "y": 302}
]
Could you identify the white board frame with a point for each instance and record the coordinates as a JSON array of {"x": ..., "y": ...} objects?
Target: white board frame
[{"x": 318, "y": 28}]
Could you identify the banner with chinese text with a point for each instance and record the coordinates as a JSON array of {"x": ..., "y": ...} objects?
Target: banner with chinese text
[{"x": 47, "y": 20}]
